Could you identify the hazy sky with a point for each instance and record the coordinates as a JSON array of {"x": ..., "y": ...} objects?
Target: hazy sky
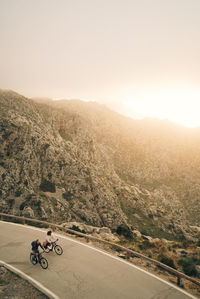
[{"x": 140, "y": 57}]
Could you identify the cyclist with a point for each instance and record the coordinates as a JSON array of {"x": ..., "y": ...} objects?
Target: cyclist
[
  {"x": 35, "y": 244},
  {"x": 50, "y": 238}
]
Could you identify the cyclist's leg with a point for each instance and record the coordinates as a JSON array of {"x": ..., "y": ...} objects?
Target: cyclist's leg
[
  {"x": 37, "y": 255},
  {"x": 50, "y": 246}
]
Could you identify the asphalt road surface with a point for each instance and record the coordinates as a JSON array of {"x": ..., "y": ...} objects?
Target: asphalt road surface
[{"x": 82, "y": 272}]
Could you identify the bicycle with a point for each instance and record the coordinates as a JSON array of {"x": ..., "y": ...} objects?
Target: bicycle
[
  {"x": 57, "y": 248},
  {"x": 38, "y": 258}
]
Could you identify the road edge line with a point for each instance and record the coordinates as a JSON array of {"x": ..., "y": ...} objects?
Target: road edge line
[{"x": 31, "y": 280}]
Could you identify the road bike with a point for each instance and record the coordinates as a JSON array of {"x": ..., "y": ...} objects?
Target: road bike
[
  {"x": 54, "y": 246},
  {"x": 38, "y": 258}
]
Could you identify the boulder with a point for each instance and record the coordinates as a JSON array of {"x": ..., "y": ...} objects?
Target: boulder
[
  {"x": 75, "y": 226},
  {"x": 104, "y": 230},
  {"x": 98, "y": 232},
  {"x": 147, "y": 238}
]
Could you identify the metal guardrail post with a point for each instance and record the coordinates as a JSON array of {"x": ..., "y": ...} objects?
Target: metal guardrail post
[
  {"x": 128, "y": 255},
  {"x": 178, "y": 281}
]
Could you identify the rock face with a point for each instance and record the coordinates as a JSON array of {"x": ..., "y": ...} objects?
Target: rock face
[
  {"x": 74, "y": 161},
  {"x": 99, "y": 232}
]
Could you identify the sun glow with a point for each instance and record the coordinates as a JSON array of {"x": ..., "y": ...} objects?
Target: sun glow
[{"x": 178, "y": 105}]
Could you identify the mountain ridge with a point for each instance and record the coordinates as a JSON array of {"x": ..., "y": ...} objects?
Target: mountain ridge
[{"x": 75, "y": 161}]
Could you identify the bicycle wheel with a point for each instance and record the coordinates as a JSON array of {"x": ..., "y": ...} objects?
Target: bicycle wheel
[
  {"x": 43, "y": 263},
  {"x": 58, "y": 249},
  {"x": 33, "y": 259}
]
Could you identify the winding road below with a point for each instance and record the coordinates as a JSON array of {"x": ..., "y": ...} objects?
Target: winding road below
[{"x": 82, "y": 272}]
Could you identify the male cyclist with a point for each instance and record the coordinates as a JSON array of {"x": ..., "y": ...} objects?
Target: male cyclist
[{"x": 35, "y": 244}]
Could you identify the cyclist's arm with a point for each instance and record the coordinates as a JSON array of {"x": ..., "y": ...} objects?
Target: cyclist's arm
[{"x": 41, "y": 246}]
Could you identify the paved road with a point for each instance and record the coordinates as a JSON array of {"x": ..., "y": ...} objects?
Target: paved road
[{"x": 81, "y": 272}]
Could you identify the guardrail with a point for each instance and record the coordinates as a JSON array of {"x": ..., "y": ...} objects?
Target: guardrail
[{"x": 129, "y": 252}]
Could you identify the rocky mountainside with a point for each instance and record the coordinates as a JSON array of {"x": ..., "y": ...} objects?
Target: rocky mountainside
[{"x": 76, "y": 161}]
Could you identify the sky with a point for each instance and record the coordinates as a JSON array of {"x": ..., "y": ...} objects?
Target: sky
[{"x": 139, "y": 57}]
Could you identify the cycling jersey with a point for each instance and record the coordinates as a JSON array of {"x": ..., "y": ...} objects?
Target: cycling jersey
[{"x": 35, "y": 246}]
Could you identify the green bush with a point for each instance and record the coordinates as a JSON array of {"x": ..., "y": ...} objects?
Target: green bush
[
  {"x": 36, "y": 203},
  {"x": 77, "y": 229},
  {"x": 125, "y": 231},
  {"x": 29, "y": 196},
  {"x": 10, "y": 202},
  {"x": 167, "y": 260},
  {"x": 18, "y": 193},
  {"x": 22, "y": 206},
  {"x": 146, "y": 245},
  {"x": 188, "y": 266},
  {"x": 47, "y": 186}
]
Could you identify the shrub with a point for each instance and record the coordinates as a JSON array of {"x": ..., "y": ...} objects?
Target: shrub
[
  {"x": 29, "y": 196},
  {"x": 77, "y": 229},
  {"x": 47, "y": 186},
  {"x": 188, "y": 266},
  {"x": 2, "y": 164},
  {"x": 22, "y": 206},
  {"x": 167, "y": 260},
  {"x": 10, "y": 202},
  {"x": 125, "y": 231},
  {"x": 146, "y": 245},
  {"x": 18, "y": 193},
  {"x": 36, "y": 203}
]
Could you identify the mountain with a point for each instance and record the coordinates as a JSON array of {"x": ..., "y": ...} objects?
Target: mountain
[{"x": 70, "y": 160}]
